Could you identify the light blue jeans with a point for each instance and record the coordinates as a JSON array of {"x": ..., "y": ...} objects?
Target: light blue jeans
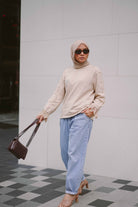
[{"x": 74, "y": 137}]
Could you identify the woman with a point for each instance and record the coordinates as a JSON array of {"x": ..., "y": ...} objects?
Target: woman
[{"x": 82, "y": 93}]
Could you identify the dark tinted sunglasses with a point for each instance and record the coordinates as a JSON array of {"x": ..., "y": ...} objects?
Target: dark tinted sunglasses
[{"x": 79, "y": 51}]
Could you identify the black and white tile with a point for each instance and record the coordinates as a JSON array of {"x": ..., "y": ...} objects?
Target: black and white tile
[{"x": 24, "y": 186}]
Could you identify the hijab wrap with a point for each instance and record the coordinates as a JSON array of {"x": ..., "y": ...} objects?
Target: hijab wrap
[{"x": 74, "y": 46}]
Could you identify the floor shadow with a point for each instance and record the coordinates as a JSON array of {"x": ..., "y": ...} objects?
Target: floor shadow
[{"x": 7, "y": 133}]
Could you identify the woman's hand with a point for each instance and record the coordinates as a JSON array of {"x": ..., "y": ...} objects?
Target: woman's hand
[
  {"x": 40, "y": 118},
  {"x": 88, "y": 112}
]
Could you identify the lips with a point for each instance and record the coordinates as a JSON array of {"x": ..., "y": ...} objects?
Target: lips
[{"x": 81, "y": 58}]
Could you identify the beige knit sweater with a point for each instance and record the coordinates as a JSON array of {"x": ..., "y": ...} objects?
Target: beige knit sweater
[{"x": 77, "y": 89}]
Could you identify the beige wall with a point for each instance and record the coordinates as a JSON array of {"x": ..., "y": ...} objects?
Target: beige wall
[{"x": 48, "y": 28}]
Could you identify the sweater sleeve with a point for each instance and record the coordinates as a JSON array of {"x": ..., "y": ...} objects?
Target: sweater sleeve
[
  {"x": 99, "y": 97},
  {"x": 55, "y": 100}
]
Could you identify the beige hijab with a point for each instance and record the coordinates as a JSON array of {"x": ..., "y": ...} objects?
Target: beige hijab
[{"x": 74, "y": 46}]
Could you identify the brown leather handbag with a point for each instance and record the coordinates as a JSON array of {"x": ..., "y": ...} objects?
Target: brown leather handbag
[{"x": 17, "y": 148}]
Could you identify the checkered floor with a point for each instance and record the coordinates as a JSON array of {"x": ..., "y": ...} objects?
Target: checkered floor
[
  {"x": 27, "y": 186},
  {"x": 30, "y": 186}
]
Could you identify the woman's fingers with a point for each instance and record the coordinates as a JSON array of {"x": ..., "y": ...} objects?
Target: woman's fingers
[
  {"x": 40, "y": 118},
  {"x": 88, "y": 112}
]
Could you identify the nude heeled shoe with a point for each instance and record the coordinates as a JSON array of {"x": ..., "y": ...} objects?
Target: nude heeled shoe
[
  {"x": 68, "y": 200},
  {"x": 83, "y": 183}
]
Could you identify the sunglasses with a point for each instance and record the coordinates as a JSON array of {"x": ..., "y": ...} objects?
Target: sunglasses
[{"x": 79, "y": 51}]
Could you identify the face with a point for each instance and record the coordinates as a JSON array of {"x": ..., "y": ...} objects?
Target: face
[{"x": 81, "y": 58}]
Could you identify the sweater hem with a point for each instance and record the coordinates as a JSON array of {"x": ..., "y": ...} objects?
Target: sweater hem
[{"x": 69, "y": 116}]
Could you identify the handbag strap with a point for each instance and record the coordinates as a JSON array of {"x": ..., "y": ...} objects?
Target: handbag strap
[
  {"x": 33, "y": 134},
  {"x": 22, "y": 132}
]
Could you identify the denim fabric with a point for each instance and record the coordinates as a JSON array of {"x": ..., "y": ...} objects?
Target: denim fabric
[{"x": 74, "y": 137}]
